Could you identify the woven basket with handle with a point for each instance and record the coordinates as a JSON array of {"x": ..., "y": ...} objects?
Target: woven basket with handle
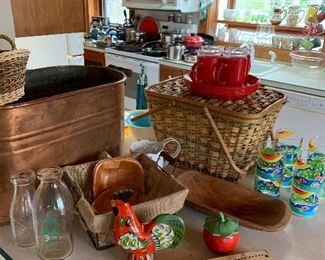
[
  {"x": 217, "y": 137},
  {"x": 12, "y": 72}
]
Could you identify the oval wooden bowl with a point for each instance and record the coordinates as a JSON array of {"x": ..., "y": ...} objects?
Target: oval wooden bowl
[{"x": 251, "y": 208}]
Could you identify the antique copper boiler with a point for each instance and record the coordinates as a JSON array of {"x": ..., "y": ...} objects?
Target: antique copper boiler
[{"x": 68, "y": 115}]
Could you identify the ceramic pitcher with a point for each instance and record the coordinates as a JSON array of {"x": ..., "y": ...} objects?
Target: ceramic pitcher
[
  {"x": 278, "y": 16},
  {"x": 295, "y": 15},
  {"x": 311, "y": 13}
]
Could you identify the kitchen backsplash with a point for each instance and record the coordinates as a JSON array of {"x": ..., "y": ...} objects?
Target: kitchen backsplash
[{"x": 163, "y": 15}]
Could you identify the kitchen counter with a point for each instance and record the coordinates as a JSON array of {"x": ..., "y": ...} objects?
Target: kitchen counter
[
  {"x": 302, "y": 239},
  {"x": 286, "y": 78}
]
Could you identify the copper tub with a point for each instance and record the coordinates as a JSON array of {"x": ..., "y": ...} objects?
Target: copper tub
[{"x": 68, "y": 115}]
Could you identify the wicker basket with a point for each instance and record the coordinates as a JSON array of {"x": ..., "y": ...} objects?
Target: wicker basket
[
  {"x": 166, "y": 195},
  {"x": 12, "y": 72},
  {"x": 217, "y": 137}
]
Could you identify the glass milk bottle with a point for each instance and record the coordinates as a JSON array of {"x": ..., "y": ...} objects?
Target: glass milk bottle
[
  {"x": 21, "y": 218},
  {"x": 53, "y": 209}
]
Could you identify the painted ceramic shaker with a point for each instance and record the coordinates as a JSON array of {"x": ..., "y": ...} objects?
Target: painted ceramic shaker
[
  {"x": 142, "y": 240},
  {"x": 221, "y": 233}
]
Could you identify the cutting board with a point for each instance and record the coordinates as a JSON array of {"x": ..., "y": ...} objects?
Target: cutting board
[{"x": 251, "y": 208}]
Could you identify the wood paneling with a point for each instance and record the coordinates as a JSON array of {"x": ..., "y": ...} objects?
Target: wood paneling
[
  {"x": 94, "y": 8},
  {"x": 42, "y": 17},
  {"x": 209, "y": 24},
  {"x": 94, "y": 58},
  {"x": 167, "y": 72}
]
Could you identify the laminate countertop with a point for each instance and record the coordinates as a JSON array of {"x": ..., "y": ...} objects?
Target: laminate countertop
[{"x": 302, "y": 239}]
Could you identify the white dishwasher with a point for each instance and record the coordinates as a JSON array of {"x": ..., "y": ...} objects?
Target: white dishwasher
[{"x": 305, "y": 113}]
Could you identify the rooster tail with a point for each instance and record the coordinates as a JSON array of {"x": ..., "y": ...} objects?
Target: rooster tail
[{"x": 168, "y": 231}]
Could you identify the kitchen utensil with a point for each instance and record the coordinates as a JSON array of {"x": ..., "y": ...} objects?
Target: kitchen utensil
[
  {"x": 222, "y": 92},
  {"x": 278, "y": 16},
  {"x": 207, "y": 39},
  {"x": 174, "y": 52},
  {"x": 308, "y": 62},
  {"x": 149, "y": 25},
  {"x": 252, "y": 209},
  {"x": 193, "y": 41},
  {"x": 190, "y": 58}
]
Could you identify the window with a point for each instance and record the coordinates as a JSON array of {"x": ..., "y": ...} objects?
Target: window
[
  {"x": 260, "y": 11},
  {"x": 114, "y": 10}
]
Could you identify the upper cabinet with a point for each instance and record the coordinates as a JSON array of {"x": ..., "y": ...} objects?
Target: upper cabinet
[{"x": 42, "y": 17}]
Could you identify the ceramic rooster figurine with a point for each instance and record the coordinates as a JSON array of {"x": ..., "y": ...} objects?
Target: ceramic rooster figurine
[{"x": 142, "y": 240}]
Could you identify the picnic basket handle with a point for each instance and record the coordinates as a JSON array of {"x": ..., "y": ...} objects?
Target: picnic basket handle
[
  {"x": 5, "y": 37},
  {"x": 241, "y": 172},
  {"x": 152, "y": 111}
]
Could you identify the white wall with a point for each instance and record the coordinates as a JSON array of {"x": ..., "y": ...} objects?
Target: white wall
[{"x": 6, "y": 23}]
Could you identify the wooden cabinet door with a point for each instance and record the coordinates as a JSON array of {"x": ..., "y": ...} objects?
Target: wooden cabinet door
[
  {"x": 94, "y": 58},
  {"x": 42, "y": 17},
  {"x": 167, "y": 72}
]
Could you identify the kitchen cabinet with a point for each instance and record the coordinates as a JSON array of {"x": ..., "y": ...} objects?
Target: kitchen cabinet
[
  {"x": 167, "y": 72},
  {"x": 39, "y": 17},
  {"x": 94, "y": 58}
]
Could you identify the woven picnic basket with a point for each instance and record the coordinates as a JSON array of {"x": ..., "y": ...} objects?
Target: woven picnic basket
[
  {"x": 217, "y": 137},
  {"x": 12, "y": 72}
]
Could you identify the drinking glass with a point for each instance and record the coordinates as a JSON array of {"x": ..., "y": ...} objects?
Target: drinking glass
[
  {"x": 261, "y": 32},
  {"x": 290, "y": 140},
  {"x": 316, "y": 157},
  {"x": 306, "y": 187},
  {"x": 269, "y": 168}
]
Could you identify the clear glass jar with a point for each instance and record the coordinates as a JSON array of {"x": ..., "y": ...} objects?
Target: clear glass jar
[
  {"x": 21, "y": 218},
  {"x": 53, "y": 212}
]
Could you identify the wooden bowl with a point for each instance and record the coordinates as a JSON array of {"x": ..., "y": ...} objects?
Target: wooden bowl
[
  {"x": 118, "y": 173},
  {"x": 102, "y": 204}
]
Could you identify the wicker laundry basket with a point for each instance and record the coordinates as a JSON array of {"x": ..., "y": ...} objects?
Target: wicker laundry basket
[
  {"x": 217, "y": 137},
  {"x": 12, "y": 72},
  {"x": 166, "y": 195}
]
